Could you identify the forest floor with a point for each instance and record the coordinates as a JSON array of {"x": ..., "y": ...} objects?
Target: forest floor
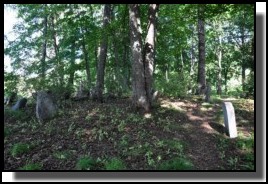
[{"x": 178, "y": 134}]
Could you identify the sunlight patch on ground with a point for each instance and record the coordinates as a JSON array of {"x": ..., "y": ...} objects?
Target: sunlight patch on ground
[
  {"x": 93, "y": 112},
  {"x": 193, "y": 117},
  {"x": 207, "y": 127},
  {"x": 229, "y": 99},
  {"x": 147, "y": 115},
  {"x": 204, "y": 109},
  {"x": 173, "y": 105}
]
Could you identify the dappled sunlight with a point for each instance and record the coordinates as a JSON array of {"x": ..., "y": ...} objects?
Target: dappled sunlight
[
  {"x": 147, "y": 115},
  {"x": 204, "y": 109},
  {"x": 93, "y": 112},
  {"x": 207, "y": 128},
  {"x": 193, "y": 117},
  {"x": 229, "y": 99},
  {"x": 174, "y": 105}
]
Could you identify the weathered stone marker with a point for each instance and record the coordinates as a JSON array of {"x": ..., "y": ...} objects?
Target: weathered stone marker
[
  {"x": 45, "y": 106},
  {"x": 229, "y": 119}
]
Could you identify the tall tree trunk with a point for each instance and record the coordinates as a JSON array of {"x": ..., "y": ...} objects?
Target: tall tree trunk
[
  {"x": 219, "y": 89},
  {"x": 191, "y": 87},
  {"x": 149, "y": 50},
  {"x": 126, "y": 70},
  {"x": 117, "y": 66},
  {"x": 166, "y": 72},
  {"x": 252, "y": 54},
  {"x": 102, "y": 53},
  {"x": 243, "y": 61},
  {"x": 225, "y": 82},
  {"x": 139, "y": 97},
  {"x": 60, "y": 67},
  {"x": 201, "y": 77},
  {"x": 85, "y": 53},
  {"x": 71, "y": 77},
  {"x": 243, "y": 53},
  {"x": 181, "y": 70},
  {"x": 142, "y": 65},
  {"x": 44, "y": 51}
]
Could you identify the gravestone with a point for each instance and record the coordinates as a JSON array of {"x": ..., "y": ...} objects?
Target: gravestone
[
  {"x": 20, "y": 104},
  {"x": 45, "y": 106},
  {"x": 229, "y": 119}
]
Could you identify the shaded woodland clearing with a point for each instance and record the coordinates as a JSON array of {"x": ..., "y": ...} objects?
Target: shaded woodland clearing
[
  {"x": 186, "y": 129},
  {"x": 106, "y": 53}
]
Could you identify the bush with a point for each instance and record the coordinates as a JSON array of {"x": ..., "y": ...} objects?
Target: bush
[{"x": 176, "y": 85}]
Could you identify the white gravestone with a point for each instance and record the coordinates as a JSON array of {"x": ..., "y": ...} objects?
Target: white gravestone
[{"x": 229, "y": 119}]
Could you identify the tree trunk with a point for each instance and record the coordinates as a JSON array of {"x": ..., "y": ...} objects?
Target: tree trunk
[
  {"x": 60, "y": 68},
  {"x": 166, "y": 72},
  {"x": 126, "y": 70},
  {"x": 102, "y": 53},
  {"x": 219, "y": 90},
  {"x": 201, "y": 77},
  {"x": 44, "y": 51},
  {"x": 149, "y": 51},
  {"x": 191, "y": 87},
  {"x": 142, "y": 65},
  {"x": 243, "y": 62},
  {"x": 71, "y": 78},
  {"x": 139, "y": 97},
  {"x": 85, "y": 53},
  {"x": 243, "y": 53},
  {"x": 225, "y": 82}
]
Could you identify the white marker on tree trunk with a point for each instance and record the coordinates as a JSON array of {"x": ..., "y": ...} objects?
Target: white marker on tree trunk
[{"x": 229, "y": 119}]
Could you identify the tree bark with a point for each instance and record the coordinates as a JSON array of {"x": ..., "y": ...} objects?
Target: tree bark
[
  {"x": 142, "y": 65},
  {"x": 102, "y": 53},
  {"x": 85, "y": 53},
  {"x": 201, "y": 77},
  {"x": 44, "y": 50},
  {"x": 71, "y": 77},
  {"x": 243, "y": 53},
  {"x": 139, "y": 98},
  {"x": 243, "y": 60},
  {"x": 60, "y": 68},
  {"x": 149, "y": 51},
  {"x": 219, "y": 89},
  {"x": 191, "y": 87}
]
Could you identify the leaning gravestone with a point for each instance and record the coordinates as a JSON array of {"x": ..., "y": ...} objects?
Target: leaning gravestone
[
  {"x": 45, "y": 106},
  {"x": 20, "y": 104},
  {"x": 229, "y": 119}
]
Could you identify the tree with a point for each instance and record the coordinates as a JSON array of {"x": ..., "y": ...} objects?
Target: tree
[
  {"x": 102, "y": 53},
  {"x": 44, "y": 49},
  {"x": 143, "y": 57},
  {"x": 201, "y": 76}
]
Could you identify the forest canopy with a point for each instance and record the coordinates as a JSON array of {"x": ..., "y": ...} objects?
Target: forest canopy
[{"x": 59, "y": 45}]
